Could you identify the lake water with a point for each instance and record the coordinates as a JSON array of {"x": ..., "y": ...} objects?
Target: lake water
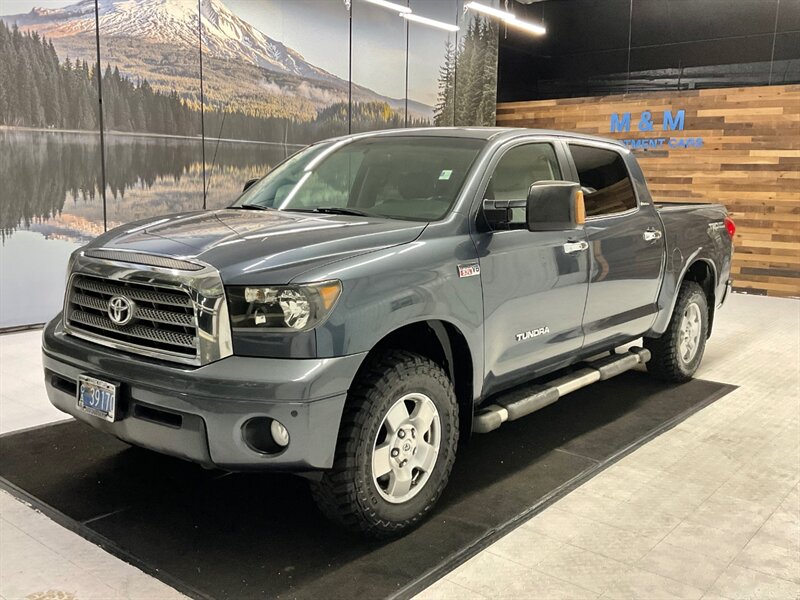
[{"x": 51, "y": 200}]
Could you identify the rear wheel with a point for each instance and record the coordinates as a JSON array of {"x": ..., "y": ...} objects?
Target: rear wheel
[
  {"x": 676, "y": 355},
  {"x": 396, "y": 446}
]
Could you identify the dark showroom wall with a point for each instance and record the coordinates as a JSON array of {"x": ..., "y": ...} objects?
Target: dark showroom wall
[
  {"x": 198, "y": 97},
  {"x": 704, "y": 91}
]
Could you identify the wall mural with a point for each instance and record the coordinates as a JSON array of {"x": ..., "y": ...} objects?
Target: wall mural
[{"x": 276, "y": 75}]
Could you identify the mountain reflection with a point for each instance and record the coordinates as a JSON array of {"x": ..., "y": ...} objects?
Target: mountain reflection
[{"x": 51, "y": 180}]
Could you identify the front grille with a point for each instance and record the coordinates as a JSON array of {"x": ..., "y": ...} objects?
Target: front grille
[{"x": 163, "y": 320}]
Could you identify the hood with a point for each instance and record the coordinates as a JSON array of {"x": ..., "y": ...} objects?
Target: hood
[{"x": 264, "y": 247}]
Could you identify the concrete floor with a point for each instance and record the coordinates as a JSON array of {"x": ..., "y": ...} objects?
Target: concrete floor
[{"x": 710, "y": 509}]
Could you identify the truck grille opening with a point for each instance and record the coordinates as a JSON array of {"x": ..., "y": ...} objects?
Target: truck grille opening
[{"x": 163, "y": 318}]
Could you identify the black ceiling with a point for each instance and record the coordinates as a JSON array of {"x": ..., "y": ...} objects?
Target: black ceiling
[{"x": 597, "y": 47}]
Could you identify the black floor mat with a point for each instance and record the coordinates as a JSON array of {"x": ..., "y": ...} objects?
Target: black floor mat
[{"x": 219, "y": 535}]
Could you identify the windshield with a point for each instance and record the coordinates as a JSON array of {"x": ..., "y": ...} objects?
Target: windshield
[{"x": 406, "y": 177}]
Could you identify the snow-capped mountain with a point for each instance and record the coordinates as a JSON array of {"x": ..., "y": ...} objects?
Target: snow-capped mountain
[
  {"x": 174, "y": 22},
  {"x": 157, "y": 40}
]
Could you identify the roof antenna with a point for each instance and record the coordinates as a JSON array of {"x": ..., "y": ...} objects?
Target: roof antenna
[{"x": 216, "y": 147}]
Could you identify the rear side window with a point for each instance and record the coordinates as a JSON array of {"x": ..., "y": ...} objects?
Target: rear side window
[{"x": 604, "y": 178}]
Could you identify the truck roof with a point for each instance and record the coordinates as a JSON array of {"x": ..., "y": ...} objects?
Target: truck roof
[{"x": 485, "y": 133}]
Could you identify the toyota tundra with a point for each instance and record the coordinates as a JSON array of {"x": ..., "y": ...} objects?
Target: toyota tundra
[{"x": 376, "y": 296}]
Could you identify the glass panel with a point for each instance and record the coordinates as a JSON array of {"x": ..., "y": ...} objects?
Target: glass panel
[
  {"x": 150, "y": 56},
  {"x": 431, "y": 64},
  {"x": 517, "y": 170},
  {"x": 476, "y": 71},
  {"x": 285, "y": 88},
  {"x": 379, "y": 67},
  {"x": 604, "y": 179},
  {"x": 414, "y": 178},
  {"x": 50, "y": 197}
]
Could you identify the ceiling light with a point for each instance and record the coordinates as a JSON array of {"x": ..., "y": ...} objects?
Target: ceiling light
[
  {"x": 430, "y": 22},
  {"x": 507, "y": 17},
  {"x": 531, "y": 27},
  {"x": 390, "y": 5},
  {"x": 500, "y": 14}
]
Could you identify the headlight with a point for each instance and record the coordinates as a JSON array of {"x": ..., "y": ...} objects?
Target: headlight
[{"x": 282, "y": 307}]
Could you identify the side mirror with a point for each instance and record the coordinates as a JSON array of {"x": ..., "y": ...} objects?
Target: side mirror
[
  {"x": 555, "y": 206},
  {"x": 248, "y": 184}
]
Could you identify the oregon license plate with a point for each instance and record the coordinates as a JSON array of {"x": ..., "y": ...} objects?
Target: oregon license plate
[{"x": 97, "y": 397}]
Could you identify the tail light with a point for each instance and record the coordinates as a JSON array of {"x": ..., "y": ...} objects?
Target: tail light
[{"x": 730, "y": 226}]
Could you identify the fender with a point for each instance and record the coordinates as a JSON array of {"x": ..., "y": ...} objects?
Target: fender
[
  {"x": 665, "y": 314},
  {"x": 465, "y": 416}
]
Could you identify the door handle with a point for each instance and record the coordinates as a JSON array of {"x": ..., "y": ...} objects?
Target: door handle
[
  {"x": 651, "y": 234},
  {"x": 573, "y": 247}
]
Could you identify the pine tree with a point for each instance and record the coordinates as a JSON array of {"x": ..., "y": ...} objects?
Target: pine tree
[
  {"x": 464, "y": 78},
  {"x": 21, "y": 110},
  {"x": 443, "y": 111},
  {"x": 52, "y": 107},
  {"x": 488, "y": 116},
  {"x": 5, "y": 74}
]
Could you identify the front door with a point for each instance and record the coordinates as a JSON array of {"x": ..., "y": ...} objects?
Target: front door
[
  {"x": 534, "y": 284},
  {"x": 627, "y": 249}
]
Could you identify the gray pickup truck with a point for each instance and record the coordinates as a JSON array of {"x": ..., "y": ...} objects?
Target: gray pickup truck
[{"x": 376, "y": 296}]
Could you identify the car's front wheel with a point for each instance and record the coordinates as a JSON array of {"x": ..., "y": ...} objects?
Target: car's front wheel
[{"x": 396, "y": 447}]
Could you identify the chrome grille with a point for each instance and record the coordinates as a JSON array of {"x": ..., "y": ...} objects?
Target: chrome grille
[
  {"x": 133, "y": 291},
  {"x": 164, "y": 317}
]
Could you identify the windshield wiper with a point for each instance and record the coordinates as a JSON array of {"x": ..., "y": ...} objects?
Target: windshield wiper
[
  {"x": 252, "y": 207},
  {"x": 333, "y": 210}
]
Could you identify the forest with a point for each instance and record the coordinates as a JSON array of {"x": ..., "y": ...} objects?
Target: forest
[
  {"x": 468, "y": 78},
  {"x": 38, "y": 90}
]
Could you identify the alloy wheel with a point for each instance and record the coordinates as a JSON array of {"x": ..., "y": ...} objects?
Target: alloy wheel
[
  {"x": 406, "y": 448},
  {"x": 689, "y": 336}
]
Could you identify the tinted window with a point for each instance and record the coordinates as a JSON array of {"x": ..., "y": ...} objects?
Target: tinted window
[
  {"x": 402, "y": 177},
  {"x": 607, "y": 187},
  {"x": 517, "y": 170}
]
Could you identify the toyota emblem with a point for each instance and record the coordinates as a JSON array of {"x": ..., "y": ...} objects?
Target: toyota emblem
[{"x": 121, "y": 310}]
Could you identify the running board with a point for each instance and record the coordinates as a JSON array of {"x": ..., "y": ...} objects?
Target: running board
[{"x": 522, "y": 401}]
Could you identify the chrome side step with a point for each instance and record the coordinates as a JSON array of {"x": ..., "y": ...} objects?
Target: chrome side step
[{"x": 523, "y": 401}]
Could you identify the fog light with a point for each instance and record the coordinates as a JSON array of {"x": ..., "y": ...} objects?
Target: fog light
[
  {"x": 265, "y": 435},
  {"x": 279, "y": 434}
]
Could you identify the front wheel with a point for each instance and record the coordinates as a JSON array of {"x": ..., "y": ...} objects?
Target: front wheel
[
  {"x": 396, "y": 447},
  {"x": 676, "y": 355}
]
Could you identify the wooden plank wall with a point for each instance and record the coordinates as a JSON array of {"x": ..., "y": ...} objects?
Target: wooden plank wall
[{"x": 749, "y": 161}]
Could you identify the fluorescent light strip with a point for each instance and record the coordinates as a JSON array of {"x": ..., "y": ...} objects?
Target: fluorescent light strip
[
  {"x": 530, "y": 27},
  {"x": 430, "y": 22},
  {"x": 488, "y": 10},
  {"x": 390, "y": 5},
  {"x": 508, "y": 18}
]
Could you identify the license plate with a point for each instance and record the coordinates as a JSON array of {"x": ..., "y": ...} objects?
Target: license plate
[{"x": 97, "y": 397}]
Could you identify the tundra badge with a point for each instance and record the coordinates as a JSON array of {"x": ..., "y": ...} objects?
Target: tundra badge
[{"x": 532, "y": 333}]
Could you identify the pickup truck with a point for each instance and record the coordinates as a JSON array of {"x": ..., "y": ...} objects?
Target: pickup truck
[{"x": 376, "y": 296}]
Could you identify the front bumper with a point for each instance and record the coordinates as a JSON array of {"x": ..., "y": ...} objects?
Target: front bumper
[{"x": 198, "y": 413}]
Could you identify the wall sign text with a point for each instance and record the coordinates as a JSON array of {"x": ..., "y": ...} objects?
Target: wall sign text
[{"x": 670, "y": 121}]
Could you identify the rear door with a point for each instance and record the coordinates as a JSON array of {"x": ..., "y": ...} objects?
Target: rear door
[
  {"x": 626, "y": 245},
  {"x": 534, "y": 284}
]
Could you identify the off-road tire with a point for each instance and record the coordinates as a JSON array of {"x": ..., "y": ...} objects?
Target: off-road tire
[
  {"x": 347, "y": 493},
  {"x": 666, "y": 362}
]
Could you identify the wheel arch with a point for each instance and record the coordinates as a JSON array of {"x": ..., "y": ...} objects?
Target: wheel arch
[
  {"x": 699, "y": 268},
  {"x": 703, "y": 272},
  {"x": 442, "y": 342}
]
